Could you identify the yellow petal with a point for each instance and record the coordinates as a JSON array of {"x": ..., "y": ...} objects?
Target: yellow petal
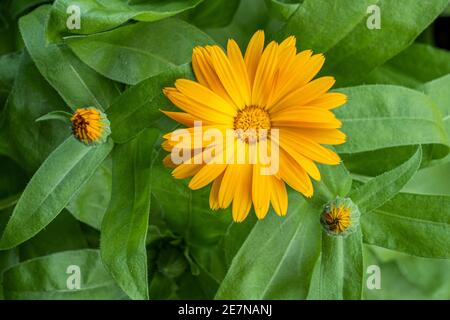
[
  {"x": 307, "y": 164},
  {"x": 205, "y": 73},
  {"x": 181, "y": 117},
  {"x": 228, "y": 185},
  {"x": 214, "y": 194},
  {"x": 198, "y": 110},
  {"x": 329, "y": 100},
  {"x": 322, "y": 136},
  {"x": 308, "y": 117},
  {"x": 302, "y": 71},
  {"x": 265, "y": 75},
  {"x": 186, "y": 170},
  {"x": 294, "y": 175},
  {"x": 204, "y": 96},
  {"x": 242, "y": 201},
  {"x": 240, "y": 69},
  {"x": 278, "y": 196},
  {"x": 227, "y": 76},
  {"x": 305, "y": 94},
  {"x": 253, "y": 54},
  {"x": 260, "y": 192},
  {"x": 308, "y": 148},
  {"x": 167, "y": 161},
  {"x": 208, "y": 173}
]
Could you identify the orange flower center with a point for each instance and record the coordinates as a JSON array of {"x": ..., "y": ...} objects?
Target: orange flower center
[
  {"x": 338, "y": 219},
  {"x": 252, "y": 124},
  {"x": 87, "y": 125}
]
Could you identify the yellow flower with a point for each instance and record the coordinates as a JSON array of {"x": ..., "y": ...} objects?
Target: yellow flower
[
  {"x": 340, "y": 217},
  {"x": 337, "y": 219},
  {"x": 253, "y": 95},
  {"x": 90, "y": 125}
]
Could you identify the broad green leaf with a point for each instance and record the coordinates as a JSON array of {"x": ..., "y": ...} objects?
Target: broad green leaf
[
  {"x": 405, "y": 70},
  {"x": 187, "y": 212},
  {"x": 339, "y": 28},
  {"x": 63, "y": 233},
  {"x": 90, "y": 203},
  {"x": 432, "y": 180},
  {"x": 51, "y": 188},
  {"x": 380, "y": 189},
  {"x": 103, "y": 15},
  {"x": 77, "y": 84},
  {"x": 48, "y": 278},
  {"x": 214, "y": 13},
  {"x": 415, "y": 224},
  {"x": 125, "y": 224},
  {"x": 139, "y": 107},
  {"x": 335, "y": 181},
  {"x": 282, "y": 9},
  {"x": 384, "y": 116},
  {"x": 407, "y": 277},
  {"x": 341, "y": 269},
  {"x": 7, "y": 259},
  {"x": 56, "y": 115},
  {"x": 438, "y": 90},
  {"x": 277, "y": 258},
  {"x": 250, "y": 16},
  {"x": 30, "y": 142},
  {"x": 137, "y": 50}
]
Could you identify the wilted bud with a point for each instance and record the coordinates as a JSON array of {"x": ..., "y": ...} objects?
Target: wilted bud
[
  {"x": 340, "y": 217},
  {"x": 90, "y": 126}
]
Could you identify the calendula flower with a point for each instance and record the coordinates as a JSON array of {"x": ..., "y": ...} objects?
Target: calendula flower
[
  {"x": 90, "y": 126},
  {"x": 340, "y": 217},
  {"x": 268, "y": 96}
]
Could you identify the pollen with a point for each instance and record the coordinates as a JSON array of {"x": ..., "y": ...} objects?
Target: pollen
[
  {"x": 252, "y": 124},
  {"x": 337, "y": 219},
  {"x": 89, "y": 125}
]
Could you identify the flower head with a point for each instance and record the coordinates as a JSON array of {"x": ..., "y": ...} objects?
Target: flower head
[
  {"x": 268, "y": 98},
  {"x": 90, "y": 125},
  {"x": 340, "y": 217}
]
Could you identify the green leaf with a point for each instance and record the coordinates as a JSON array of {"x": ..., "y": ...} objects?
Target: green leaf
[
  {"x": 56, "y": 115},
  {"x": 63, "y": 233},
  {"x": 282, "y": 9},
  {"x": 335, "y": 181},
  {"x": 139, "y": 107},
  {"x": 187, "y": 212},
  {"x": 30, "y": 142},
  {"x": 137, "y": 51},
  {"x": 9, "y": 65},
  {"x": 125, "y": 224},
  {"x": 214, "y": 13},
  {"x": 51, "y": 188},
  {"x": 90, "y": 203},
  {"x": 103, "y": 15},
  {"x": 438, "y": 91},
  {"x": 341, "y": 269},
  {"x": 380, "y": 189},
  {"x": 277, "y": 258},
  {"x": 7, "y": 259},
  {"x": 415, "y": 224},
  {"x": 339, "y": 28},
  {"x": 396, "y": 116},
  {"x": 47, "y": 278},
  {"x": 404, "y": 70},
  {"x": 432, "y": 180},
  {"x": 77, "y": 84}
]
